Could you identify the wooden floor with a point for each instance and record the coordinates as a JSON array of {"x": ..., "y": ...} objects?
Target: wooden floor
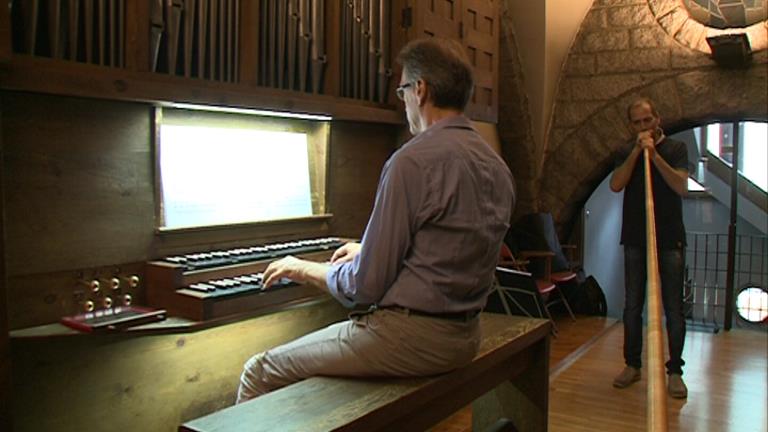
[
  {"x": 726, "y": 373},
  {"x": 572, "y": 336}
]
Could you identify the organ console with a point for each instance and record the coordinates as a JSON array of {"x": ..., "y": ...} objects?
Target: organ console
[
  {"x": 104, "y": 303},
  {"x": 207, "y": 285}
]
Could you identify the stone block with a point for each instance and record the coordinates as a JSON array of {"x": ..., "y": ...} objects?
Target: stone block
[
  {"x": 684, "y": 58},
  {"x": 611, "y": 125},
  {"x": 673, "y": 21},
  {"x": 601, "y": 87},
  {"x": 665, "y": 96},
  {"x": 595, "y": 19},
  {"x": 580, "y": 64},
  {"x": 570, "y": 114},
  {"x": 692, "y": 34},
  {"x": 633, "y": 61},
  {"x": 592, "y": 143},
  {"x": 558, "y": 135},
  {"x": 607, "y": 40},
  {"x": 648, "y": 37},
  {"x": 630, "y": 16},
  {"x": 662, "y": 7},
  {"x": 724, "y": 93},
  {"x": 601, "y": 3}
]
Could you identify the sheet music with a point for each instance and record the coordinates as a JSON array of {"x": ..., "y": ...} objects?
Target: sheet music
[{"x": 219, "y": 175}]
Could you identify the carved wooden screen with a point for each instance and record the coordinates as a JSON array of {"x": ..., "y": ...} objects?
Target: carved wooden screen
[
  {"x": 475, "y": 24},
  {"x": 480, "y": 35}
]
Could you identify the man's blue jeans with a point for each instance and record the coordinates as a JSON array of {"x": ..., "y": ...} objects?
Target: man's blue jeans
[{"x": 671, "y": 274}]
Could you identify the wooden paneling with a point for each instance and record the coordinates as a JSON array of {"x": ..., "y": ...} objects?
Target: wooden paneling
[
  {"x": 5, "y": 352},
  {"x": 61, "y": 78},
  {"x": 78, "y": 175},
  {"x": 480, "y": 36},
  {"x": 80, "y": 197},
  {"x": 358, "y": 153},
  {"x": 42, "y": 298},
  {"x": 441, "y": 18},
  {"x": 149, "y": 383},
  {"x": 475, "y": 23}
]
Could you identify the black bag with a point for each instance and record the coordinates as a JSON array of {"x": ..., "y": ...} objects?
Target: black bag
[{"x": 590, "y": 299}]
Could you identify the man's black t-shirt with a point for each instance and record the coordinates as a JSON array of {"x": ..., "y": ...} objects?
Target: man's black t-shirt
[{"x": 668, "y": 205}]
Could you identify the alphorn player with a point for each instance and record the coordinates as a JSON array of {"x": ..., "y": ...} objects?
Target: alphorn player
[
  {"x": 426, "y": 261},
  {"x": 669, "y": 172}
]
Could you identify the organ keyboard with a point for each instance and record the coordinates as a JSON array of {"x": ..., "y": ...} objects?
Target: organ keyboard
[{"x": 208, "y": 285}]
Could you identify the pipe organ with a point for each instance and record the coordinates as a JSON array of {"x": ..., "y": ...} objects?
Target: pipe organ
[
  {"x": 216, "y": 284},
  {"x": 80, "y": 236}
]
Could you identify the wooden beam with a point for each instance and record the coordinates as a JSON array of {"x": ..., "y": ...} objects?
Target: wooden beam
[{"x": 43, "y": 75}]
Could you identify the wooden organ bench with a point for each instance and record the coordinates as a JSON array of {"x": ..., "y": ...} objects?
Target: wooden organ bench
[{"x": 507, "y": 383}]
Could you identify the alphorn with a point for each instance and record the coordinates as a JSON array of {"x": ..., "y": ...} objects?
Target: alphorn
[{"x": 657, "y": 398}]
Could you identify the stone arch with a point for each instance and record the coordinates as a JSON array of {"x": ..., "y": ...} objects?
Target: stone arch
[
  {"x": 515, "y": 124},
  {"x": 620, "y": 53},
  {"x": 677, "y": 21}
]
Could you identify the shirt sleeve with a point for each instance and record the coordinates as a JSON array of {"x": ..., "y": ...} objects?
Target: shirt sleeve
[
  {"x": 620, "y": 155},
  {"x": 387, "y": 237},
  {"x": 678, "y": 157}
]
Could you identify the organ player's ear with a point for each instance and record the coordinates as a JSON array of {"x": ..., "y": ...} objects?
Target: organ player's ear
[{"x": 422, "y": 91}]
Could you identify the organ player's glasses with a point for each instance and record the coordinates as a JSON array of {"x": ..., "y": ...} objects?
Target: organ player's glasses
[{"x": 400, "y": 90}]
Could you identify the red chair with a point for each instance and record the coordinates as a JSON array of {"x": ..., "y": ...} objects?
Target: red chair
[{"x": 546, "y": 284}]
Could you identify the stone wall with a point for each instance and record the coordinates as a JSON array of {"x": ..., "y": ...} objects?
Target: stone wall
[
  {"x": 515, "y": 124},
  {"x": 625, "y": 49}
]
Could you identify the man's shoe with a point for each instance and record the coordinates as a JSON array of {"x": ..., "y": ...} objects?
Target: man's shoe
[
  {"x": 628, "y": 376},
  {"x": 676, "y": 387}
]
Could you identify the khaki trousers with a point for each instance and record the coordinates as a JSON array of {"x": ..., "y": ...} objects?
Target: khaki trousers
[{"x": 385, "y": 342}]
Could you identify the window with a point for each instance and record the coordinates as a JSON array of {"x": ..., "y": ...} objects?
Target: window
[
  {"x": 752, "y": 304},
  {"x": 223, "y": 168},
  {"x": 718, "y": 138}
]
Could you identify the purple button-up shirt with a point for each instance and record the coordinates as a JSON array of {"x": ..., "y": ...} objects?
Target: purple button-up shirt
[{"x": 432, "y": 242}]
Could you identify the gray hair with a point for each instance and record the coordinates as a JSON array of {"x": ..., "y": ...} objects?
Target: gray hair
[{"x": 444, "y": 67}]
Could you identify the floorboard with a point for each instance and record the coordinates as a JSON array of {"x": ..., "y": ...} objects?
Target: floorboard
[
  {"x": 572, "y": 336},
  {"x": 726, "y": 374}
]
